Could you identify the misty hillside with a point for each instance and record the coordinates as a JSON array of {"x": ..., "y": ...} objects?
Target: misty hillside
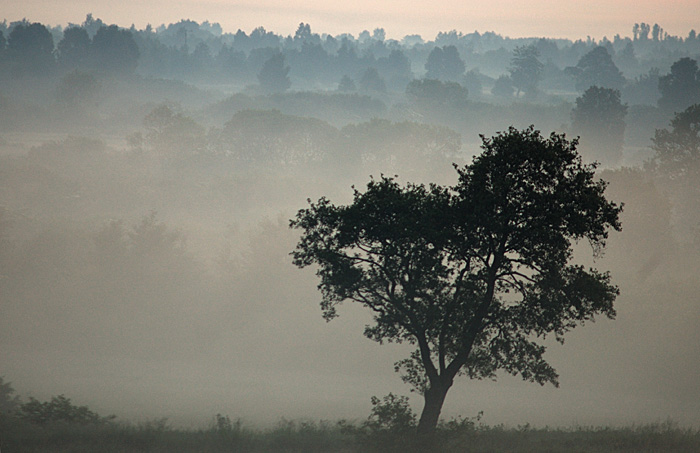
[{"x": 147, "y": 179}]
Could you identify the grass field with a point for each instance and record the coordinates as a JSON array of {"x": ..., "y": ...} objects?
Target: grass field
[{"x": 17, "y": 435}]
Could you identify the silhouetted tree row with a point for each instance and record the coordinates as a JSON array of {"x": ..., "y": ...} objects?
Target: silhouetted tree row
[
  {"x": 272, "y": 138},
  {"x": 30, "y": 50},
  {"x": 194, "y": 52}
]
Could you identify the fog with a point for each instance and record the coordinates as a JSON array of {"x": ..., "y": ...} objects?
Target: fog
[{"x": 144, "y": 238}]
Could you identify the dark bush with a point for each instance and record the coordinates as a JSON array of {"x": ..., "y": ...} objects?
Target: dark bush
[{"x": 61, "y": 410}]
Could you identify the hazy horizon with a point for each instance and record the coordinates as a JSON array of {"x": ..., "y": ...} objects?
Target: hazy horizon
[{"x": 520, "y": 19}]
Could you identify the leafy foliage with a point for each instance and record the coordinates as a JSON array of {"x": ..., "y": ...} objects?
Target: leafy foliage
[
  {"x": 469, "y": 274},
  {"x": 170, "y": 133},
  {"x": 503, "y": 87},
  {"x": 74, "y": 48},
  {"x": 596, "y": 68},
  {"x": 372, "y": 82},
  {"x": 271, "y": 137},
  {"x": 60, "y": 409},
  {"x": 676, "y": 163},
  {"x": 677, "y": 151},
  {"x": 526, "y": 69},
  {"x": 401, "y": 144},
  {"x": 391, "y": 413},
  {"x": 9, "y": 402},
  {"x": 346, "y": 84},
  {"x": 30, "y": 48},
  {"x": 274, "y": 75},
  {"x": 444, "y": 63},
  {"x": 681, "y": 87},
  {"x": 433, "y": 91},
  {"x": 599, "y": 116},
  {"x": 114, "y": 50}
]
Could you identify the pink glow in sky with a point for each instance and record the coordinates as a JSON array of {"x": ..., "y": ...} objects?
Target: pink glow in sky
[{"x": 572, "y": 19}]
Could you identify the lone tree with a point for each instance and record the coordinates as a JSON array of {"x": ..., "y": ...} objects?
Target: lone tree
[
  {"x": 599, "y": 117},
  {"x": 677, "y": 151},
  {"x": 526, "y": 69},
  {"x": 473, "y": 275},
  {"x": 677, "y": 163},
  {"x": 444, "y": 63},
  {"x": 681, "y": 87},
  {"x": 597, "y": 68},
  {"x": 274, "y": 75}
]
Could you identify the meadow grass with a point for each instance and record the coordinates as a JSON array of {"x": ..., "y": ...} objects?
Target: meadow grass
[{"x": 18, "y": 435}]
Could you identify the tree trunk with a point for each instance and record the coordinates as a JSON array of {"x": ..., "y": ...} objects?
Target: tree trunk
[{"x": 434, "y": 398}]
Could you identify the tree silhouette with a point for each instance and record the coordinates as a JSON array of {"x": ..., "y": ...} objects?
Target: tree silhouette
[
  {"x": 77, "y": 91},
  {"x": 114, "y": 51},
  {"x": 274, "y": 75},
  {"x": 681, "y": 87},
  {"x": 30, "y": 48},
  {"x": 677, "y": 151},
  {"x": 444, "y": 63},
  {"x": 171, "y": 134},
  {"x": 74, "y": 48},
  {"x": 346, "y": 84},
  {"x": 526, "y": 69},
  {"x": 303, "y": 32},
  {"x": 471, "y": 275},
  {"x": 676, "y": 161},
  {"x": 269, "y": 137},
  {"x": 396, "y": 68},
  {"x": 599, "y": 117},
  {"x": 60, "y": 409},
  {"x": 644, "y": 89},
  {"x": 597, "y": 68},
  {"x": 432, "y": 91},
  {"x": 9, "y": 402},
  {"x": 372, "y": 82},
  {"x": 3, "y": 44},
  {"x": 503, "y": 87}
]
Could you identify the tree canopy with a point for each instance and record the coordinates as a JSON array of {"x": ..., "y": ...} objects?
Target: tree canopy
[
  {"x": 680, "y": 88},
  {"x": 677, "y": 162},
  {"x": 274, "y": 75},
  {"x": 677, "y": 151},
  {"x": 599, "y": 116},
  {"x": 444, "y": 63},
  {"x": 433, "y": 91},
  {"x": 471, "y": 275},
  {"x": 526, "y": 69},
  {"x": 74, "y": 48},
  {"x": 597, "y": 68},
  {"x": 114, "y": 50},
  {"x": 31, "y": 49}
]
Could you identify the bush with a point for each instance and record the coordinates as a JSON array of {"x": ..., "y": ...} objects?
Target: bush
[
  {"x": 61, "y": 410},
  {"x": 9, "y": 402},
  {"x": 392, "y": 413},
  {"x": 390, "y": 427}
]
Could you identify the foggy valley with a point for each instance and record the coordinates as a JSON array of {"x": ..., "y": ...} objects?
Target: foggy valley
[{"x": 148, "y": 178}]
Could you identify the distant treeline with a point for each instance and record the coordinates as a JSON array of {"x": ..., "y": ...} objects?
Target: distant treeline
[{"x": 480, "y": 62}]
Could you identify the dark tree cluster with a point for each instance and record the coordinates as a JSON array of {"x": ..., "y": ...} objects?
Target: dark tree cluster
[
  {"x": 370, "y": 62},
  {"x": 596, "y": 68},
  {"x": 680, "y": 88},
  {"x": 599, "y": 118},
  {"x": 31, "y": 50}
]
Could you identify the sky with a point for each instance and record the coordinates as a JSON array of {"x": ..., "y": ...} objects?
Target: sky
[{"x": 571, "y": 19}]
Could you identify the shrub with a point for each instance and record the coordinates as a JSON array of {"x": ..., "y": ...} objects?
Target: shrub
[
  {"x": 60, "y": 409},
  {"x": 9, "y": 402},
  {"x": 392, "y": 413}
]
